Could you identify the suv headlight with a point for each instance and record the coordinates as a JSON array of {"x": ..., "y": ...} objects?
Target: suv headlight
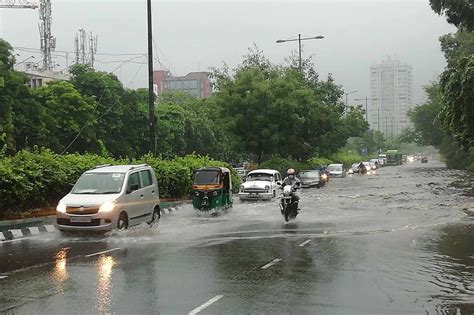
[
  {"x": 242, "y": 188},
  {"x": 267, "y": 188},
  {"x": 107, "y": 206},
  {"x": 61, "y": 207}
]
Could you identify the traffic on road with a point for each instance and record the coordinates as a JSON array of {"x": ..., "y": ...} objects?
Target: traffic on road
[{"x": 396, "y": 242}]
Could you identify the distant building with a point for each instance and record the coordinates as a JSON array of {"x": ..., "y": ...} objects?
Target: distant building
[
  {"x": 391, "y": 86},
  {"x": 39, "y": 78},
  {"x": 194, "y": 83}
]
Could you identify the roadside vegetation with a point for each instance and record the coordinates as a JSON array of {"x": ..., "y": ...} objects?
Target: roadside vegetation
[{"x": 446, "y": 119}]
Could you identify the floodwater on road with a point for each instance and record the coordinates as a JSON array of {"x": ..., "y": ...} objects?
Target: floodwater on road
[{"x": 397, "y": 242}]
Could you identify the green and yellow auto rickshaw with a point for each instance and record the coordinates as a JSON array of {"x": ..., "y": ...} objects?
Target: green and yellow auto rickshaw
[{"x": 212, "y": 189}]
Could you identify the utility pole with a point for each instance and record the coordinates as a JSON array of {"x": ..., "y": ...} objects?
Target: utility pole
[
  {"x": 48, "y": 42},
  {"x": 151, "y": 93},
  {"x": 299, "y": 51}
]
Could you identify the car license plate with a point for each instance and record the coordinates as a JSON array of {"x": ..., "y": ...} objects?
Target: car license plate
[
  {"x": 80, "y": 219},
  {"x": 254, "y": 195}
]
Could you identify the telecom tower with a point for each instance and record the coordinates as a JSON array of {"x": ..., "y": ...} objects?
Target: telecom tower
[
  {"x": 85, "y": 48},
  {"x": 48, "y": 42}
]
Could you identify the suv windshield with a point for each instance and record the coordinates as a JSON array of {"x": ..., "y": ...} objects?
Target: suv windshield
[
  {"x": 99, "y": 183},
  {"x": 259, "y": 176},
  {"x": 206, "y": 177}
]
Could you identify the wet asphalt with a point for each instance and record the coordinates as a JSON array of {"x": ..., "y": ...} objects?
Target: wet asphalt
[{"x": 396, "y": 242}]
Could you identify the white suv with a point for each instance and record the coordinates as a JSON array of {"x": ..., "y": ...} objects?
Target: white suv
[{"x": 109, "y": 197}]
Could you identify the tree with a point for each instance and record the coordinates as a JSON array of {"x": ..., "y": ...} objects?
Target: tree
[
  {"x": 457, "y": 115},
  {"x": 68, "y": 114},
  {"x": 427, "y": 127},
  {"x": 458, "y": 12},
  {"x": 12, "y": 90}
]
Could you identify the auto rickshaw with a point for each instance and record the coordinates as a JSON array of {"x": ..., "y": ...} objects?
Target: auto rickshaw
[{"x": 212, "y": 189}]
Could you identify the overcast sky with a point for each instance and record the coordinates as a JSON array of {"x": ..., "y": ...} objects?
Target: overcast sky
[{"x": 196, "y": 35}]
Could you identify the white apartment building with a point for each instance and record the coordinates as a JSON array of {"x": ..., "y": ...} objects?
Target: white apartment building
[{"x": 391, "y": 89}]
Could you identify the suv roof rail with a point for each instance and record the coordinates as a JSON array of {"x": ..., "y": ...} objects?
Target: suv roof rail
[
  {"x": 102, "y": 165},
  {"x": 138, "y": 165}
]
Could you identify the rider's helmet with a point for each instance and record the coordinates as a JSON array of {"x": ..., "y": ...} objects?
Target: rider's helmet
[{"x": 291, "y": 172}]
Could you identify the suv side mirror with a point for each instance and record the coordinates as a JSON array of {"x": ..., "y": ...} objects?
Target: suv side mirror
[{"x": 279, "y": 183}]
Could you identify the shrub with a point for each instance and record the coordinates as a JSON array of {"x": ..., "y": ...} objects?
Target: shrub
[{"x": 38, "y": 179}]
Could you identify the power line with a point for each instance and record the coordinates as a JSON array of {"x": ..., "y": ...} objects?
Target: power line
[
  {"x": 72, "y": 52},
  {"x": 106, "y": 111}
]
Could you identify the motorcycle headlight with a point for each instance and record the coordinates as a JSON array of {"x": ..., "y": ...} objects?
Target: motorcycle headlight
[
  {"x": 107, "y": 206},
  {"x": 61, "y": 207}
]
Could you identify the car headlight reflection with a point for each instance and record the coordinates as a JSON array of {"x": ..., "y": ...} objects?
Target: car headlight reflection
[
  {"x": 61, "y": 207},
  {"x": 107, "y": 206}
]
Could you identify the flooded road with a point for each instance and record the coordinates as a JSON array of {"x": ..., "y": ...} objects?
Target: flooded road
[{"x": 397, "y": 242}]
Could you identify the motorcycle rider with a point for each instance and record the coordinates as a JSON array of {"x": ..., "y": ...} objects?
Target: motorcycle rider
[{"x": 292, "y": 180}]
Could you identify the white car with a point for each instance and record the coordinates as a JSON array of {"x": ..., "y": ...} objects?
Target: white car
[
  {"x": 109, "y": 197},
  {"x": 336, "y": 170},
  {"x": 260, "y": 184}
]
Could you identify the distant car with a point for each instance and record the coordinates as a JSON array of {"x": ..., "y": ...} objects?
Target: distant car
[
  {"x": 336, "y": 170},
  {"x": 424, "y": 159},
  {"x": 241, "y": 172},
  {"x": 309, "y": 178},
  {"x": 368, "y": 167},
  {"x": 375, "y": 162},
  {"x": 373, "y": 165},
  {"x": 260, "y": 184},
  {"x": 109, "y": 197},
  {"x": 354, "y": 168}
]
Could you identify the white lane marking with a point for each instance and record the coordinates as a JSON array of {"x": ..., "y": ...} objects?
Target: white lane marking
[
  {"x": 274, "y": 261},
  {"x": 50, "y": 228},
  {"x": 34, "y": 230},
  {"x": 103, "y": 252},
  {"x": 207, "y": 304},
  {"x": 304, "y": 243},
  {"x": 3, "y": 277},
  {"x": 16, "y": 233}
]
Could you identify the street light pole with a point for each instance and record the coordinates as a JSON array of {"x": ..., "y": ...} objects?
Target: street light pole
[
  {"x": 299, "y": 39},
  {"x": 347, "y": 93},
  {"x": 151, "y": 93},
  {"x": 366, "y": 100}
]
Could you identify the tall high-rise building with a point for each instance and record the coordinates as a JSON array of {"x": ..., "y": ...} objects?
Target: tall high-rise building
[{"x": 391, "y": 89}]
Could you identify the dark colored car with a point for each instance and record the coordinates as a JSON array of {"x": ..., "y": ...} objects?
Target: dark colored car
[
  {"x": 309, "y": 178},
  {"x": 424, "y": 159}
]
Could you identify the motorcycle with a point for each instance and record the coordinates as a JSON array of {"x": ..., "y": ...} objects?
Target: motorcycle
[{"x": 288, "y": 204}]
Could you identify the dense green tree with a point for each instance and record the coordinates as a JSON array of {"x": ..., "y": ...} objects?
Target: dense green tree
[
  {"x": 457, "y": 12},
  {"x": 12, "y": 90},
  {"x": 68, "y": 114},
  {"x": 457, "y": 87}
]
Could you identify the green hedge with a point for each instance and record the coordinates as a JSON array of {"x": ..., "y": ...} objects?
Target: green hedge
[{"x": 39, "y": 179}]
